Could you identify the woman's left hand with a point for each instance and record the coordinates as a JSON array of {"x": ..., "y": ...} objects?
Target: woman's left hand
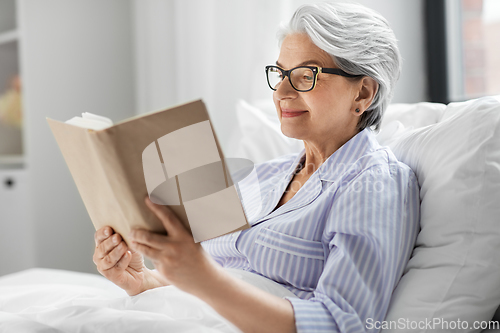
[{"x": 175, "y": 255}]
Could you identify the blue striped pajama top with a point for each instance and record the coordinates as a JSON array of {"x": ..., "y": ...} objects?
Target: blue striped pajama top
[{"x": 340, "y": 243}]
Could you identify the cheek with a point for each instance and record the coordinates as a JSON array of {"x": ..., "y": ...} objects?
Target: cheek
[
  {"x": 276, "y": 103},
  {"x": 329, "y": 102},
  {"x": 319, "y": 105}
]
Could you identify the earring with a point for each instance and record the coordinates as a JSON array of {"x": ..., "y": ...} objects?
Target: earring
[{"x": 357, "y": 110}]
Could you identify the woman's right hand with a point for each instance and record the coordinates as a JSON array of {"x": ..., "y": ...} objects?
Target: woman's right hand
[{"x": 121, "y": 265}]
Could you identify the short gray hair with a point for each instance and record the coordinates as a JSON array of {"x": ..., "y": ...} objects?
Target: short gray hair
[{"x": 360, "y": 42}]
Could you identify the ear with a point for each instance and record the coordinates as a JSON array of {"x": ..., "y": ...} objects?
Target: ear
[{"x": 367, "y": 89}]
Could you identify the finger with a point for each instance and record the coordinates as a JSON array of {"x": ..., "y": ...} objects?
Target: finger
[
  {"x": 148, "y": 238},
  {"x": 170, "y": 221},
  {"x": 107, "y": 246},
  {"x": 102, "y": 234},
  {"x": 113, "y": 257},
  {"x": 145, "y": 250},
  {"x": 124, "y": 261}
]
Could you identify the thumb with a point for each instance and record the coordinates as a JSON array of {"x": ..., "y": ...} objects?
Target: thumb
[{"x": 168, "y": 218}]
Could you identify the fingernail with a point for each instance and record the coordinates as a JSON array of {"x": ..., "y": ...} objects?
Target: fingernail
[
  {"x": 115, "y": 239},
  {"x": 106, "y": 232}
]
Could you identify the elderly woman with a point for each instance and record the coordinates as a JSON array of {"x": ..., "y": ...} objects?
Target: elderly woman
[{"x": 337, "y": 222}]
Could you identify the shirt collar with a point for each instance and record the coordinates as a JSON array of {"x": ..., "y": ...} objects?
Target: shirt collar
[
  {"x": 338, "y": 163},
  {"x": 344, "y": 157}
]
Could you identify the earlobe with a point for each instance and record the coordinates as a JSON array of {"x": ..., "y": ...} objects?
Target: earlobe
[{"x": 357, "y": 111}]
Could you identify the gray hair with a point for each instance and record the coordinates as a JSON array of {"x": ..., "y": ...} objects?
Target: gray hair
[{"x": 360, "y": 42}]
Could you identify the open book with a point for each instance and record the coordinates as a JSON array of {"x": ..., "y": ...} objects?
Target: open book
[{"x": 171, "y": 155}]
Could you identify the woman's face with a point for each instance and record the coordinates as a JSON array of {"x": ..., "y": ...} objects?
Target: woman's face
[{"x": 324, "y": 113}]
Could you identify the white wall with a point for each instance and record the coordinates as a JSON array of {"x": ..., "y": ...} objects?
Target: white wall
[
  {"x": 217, "y": 50},
  {"x": 17, "y": 250},
  {"x": 76, "y": 57}
]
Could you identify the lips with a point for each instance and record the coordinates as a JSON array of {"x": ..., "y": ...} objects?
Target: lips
[{"x": 288, "y": 113}]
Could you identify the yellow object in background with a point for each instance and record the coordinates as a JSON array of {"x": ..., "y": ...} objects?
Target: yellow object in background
[{"x": 11, "y": 104}]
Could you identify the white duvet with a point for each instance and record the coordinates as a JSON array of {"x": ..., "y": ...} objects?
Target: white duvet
[{"x": 42, "y": 300}]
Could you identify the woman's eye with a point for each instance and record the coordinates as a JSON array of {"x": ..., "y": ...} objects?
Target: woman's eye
[{"x": 277, "y": 73}]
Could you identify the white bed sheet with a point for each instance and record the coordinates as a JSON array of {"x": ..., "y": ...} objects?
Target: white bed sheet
[{"x": 47, "y": 300}]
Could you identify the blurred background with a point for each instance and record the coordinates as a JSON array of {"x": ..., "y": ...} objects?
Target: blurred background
[{"x": 119, "y": 58}]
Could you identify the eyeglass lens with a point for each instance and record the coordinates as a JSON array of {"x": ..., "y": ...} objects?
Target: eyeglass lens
[{"x": 302, "y": 78}]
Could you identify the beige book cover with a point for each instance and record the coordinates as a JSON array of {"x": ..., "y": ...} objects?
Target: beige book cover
[{"x": 171, "y": 155}]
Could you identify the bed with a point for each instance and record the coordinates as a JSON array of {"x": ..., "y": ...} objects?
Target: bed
[
  {"x": 452, "y": 277},
  {"x": 50, "y": 300}
]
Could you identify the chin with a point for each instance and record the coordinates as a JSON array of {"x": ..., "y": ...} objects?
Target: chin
[{"x": 291, "y": 133}]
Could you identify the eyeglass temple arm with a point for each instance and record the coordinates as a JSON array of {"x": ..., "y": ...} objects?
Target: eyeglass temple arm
[{"x": 338, "y": 71}]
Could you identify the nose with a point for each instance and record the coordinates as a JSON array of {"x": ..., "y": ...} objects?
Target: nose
[{"x": 285, "y": 90}]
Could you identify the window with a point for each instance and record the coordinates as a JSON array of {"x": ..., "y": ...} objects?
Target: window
[{"x": 463, "y": 58}]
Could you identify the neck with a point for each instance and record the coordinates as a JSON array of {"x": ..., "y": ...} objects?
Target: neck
[{"x": 317, "y": 152}]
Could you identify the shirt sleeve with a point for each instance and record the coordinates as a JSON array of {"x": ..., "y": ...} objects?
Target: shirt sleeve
[{"x": 369, "y": 236}]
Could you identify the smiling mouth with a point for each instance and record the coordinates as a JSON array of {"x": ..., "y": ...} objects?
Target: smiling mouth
[{"x": 291, "y": 114}]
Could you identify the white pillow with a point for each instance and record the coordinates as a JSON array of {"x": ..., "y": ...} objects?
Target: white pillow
[
  {"x": 414, "y": 115},
  {"x": 258, "y": 136},
  {"x": 454, "y": 271}
]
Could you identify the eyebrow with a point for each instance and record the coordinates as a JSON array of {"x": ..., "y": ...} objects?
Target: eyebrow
[{"x": 304, "y": 63}]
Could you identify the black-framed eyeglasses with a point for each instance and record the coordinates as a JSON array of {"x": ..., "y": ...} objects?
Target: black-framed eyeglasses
[{"x": 301, "y": 78}]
